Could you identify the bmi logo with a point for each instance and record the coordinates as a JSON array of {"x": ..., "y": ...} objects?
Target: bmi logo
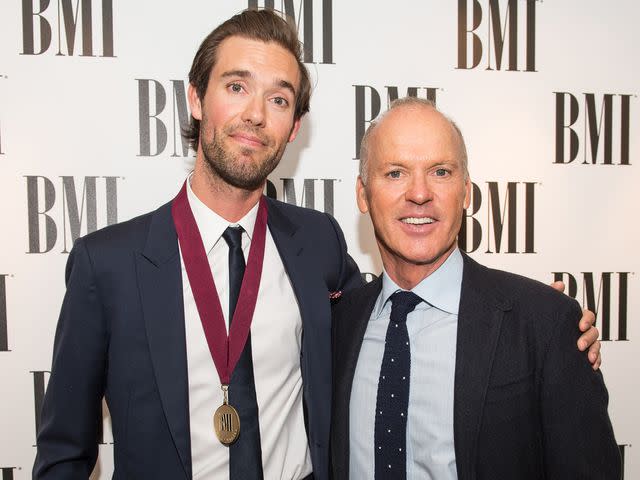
[
  {"x": 92, "y": 18},
  {"x": 488, "y": 29},
  {"x": 600, "y": 135},
  {"x": 501, "y": 222},
  {"x": 623, "y": 448},
  {"x": 606, "y": 294},
  {"x": 156, "y": 124},
  {"x": 7, "y": 472},
  {"x": 369, "y": 105},
  {"x": 39, "y": 382},
  {"x": 317, "y": 36},
  {"x": 78, "y": 209},
  {"x": 226, "y": 422},
  {"x": 4, "y": 331},
  {"x": 310, "y": 196}
]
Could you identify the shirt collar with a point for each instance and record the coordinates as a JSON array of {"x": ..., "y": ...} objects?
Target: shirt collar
[
  {"x": 212, "y": 225},
  {"x": 441, "y": 289}
]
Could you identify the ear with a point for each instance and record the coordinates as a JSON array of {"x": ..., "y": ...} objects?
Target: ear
[
  {"x": 194, "y": 102},
  {"x": 294, "y": 130},
  {"x": 361, "y": 196},
  {"x": 467, "y": 193}
]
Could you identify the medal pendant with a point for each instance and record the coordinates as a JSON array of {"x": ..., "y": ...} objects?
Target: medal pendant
[{"x": 226, "y": 421}]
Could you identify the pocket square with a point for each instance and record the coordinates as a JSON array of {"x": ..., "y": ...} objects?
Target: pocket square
[{"x": 334, "y": 297}]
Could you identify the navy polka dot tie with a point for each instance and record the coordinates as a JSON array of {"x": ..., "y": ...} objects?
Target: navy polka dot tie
[{"x": 393, "y": 392}]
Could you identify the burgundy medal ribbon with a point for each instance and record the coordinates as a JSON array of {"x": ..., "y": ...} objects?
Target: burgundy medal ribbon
[{"x": 225, "y": 350}]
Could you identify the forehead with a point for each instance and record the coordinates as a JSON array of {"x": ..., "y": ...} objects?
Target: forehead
[
  {"x": 266, "y": 61},
  {"x": 415, "y": 133}
]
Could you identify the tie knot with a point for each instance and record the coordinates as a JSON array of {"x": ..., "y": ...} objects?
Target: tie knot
[
  {"x": 233, "y": 237},
  {"x": 402, "y": 303}
]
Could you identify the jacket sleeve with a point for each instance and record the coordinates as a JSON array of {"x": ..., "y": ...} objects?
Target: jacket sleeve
[
  {"x": 71, "y": 417},
  {"x": 578, "y": 436},
  {"x": 349, "y": 274}
]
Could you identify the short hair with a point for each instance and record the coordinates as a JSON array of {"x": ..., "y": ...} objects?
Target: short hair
[
  {"x": 264, "y": 25},
  {"x": 406, "y": 102}
]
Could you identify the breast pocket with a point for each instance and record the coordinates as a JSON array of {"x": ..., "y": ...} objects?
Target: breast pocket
[{"x": 511, "y": 398}]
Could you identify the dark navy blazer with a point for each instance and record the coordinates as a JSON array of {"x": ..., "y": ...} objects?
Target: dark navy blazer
[
  {"x": 527, "y": 404},
  {"x": 121, "y": 335}
]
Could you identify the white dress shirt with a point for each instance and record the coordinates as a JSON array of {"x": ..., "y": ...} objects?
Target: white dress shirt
[
  {"x": 276, "y": 339},
  {"x": 432, "y": 329}
]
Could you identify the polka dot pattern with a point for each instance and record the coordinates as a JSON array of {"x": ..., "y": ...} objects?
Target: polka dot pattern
[{"x": 393, "y": 392}]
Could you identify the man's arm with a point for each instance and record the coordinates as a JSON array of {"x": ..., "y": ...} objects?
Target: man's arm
[
  {"x": 589, "y": 337},
  {"x": 578, "y": 437},
  {"x": 349, "y": 276},
  {"x": 72, "y": 410}
]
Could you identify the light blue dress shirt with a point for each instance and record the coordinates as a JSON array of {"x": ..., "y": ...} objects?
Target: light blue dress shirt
[{"x": 432, "y": 328}]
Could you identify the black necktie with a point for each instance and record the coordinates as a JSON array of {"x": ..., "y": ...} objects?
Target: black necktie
[
  {"x": 245, "y": 454},
  {"x": 392, "y": 404}
]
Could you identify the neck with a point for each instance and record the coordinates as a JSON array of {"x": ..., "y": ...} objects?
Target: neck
[
  {"x": 230, "y": 202},
  {"x": 406, "y": 274}
]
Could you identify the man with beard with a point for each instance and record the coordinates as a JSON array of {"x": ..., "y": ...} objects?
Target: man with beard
[
  {"x": 150, "y": 321},
  {"x": 141, "y": 322}
]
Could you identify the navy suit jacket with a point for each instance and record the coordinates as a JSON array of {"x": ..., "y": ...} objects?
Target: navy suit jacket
[
  {"x": 121, "y": 335},
  {"x": 527, "y": 404}
]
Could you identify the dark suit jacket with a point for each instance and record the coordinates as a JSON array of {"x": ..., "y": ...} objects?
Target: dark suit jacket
[
  {"x": 527, "y": 404},
  {"x": 121, "y": 334}
]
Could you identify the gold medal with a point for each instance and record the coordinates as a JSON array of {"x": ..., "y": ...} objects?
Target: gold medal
[{"x": 226, "y": 421}]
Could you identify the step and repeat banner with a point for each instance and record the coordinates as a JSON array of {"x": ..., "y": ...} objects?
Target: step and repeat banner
[{"x": 93, "y": 97}]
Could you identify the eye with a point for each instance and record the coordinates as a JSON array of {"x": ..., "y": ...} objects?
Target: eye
[
  {"x": 280, "y": 101},
  {"x": 441, "y": 172},
  {"x": 394, "y": 174},
  {"x": 235, "y": 87}
]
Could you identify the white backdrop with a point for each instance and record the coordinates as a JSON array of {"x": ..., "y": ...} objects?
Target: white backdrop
[{"x": 81, "y": 145}]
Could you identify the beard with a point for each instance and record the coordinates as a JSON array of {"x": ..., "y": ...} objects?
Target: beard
[{"x": 248, "y": 173}]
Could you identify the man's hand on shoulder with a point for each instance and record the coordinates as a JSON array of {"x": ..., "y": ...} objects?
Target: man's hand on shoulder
[{"x": 590, "y": 334}]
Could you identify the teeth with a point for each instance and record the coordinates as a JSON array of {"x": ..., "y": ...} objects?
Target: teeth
[{"x": 418, "y": 221}]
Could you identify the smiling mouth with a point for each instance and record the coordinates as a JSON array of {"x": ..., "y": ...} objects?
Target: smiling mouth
[
  {"x": 248, "y": 139},
  {"x": 417, "y": 220}
]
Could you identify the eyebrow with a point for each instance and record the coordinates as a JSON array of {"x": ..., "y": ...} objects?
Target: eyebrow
[
  {"x": 287, "y": 85},
  {"x": 248, "y": 74}
]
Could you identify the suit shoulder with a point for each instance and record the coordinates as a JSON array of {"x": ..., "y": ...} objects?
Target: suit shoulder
[
  {"x": 356, "y": 297},
  {"x": 319, "y": 228},
  {"x": 294, "y": 212},
  {"x": 127, "y": 235},
  {"x": 526, "y": 292}
]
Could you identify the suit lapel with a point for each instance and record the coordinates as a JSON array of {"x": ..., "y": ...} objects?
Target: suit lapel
[
  {"x": 312, "y": 296},
  {"x": 290, "y": 248},
  {"x": 480, "y": 317},
  {"x": 308, "y": 286},
  {"x": 160, "y": 283},
  {"x": 350, "y": 323}
]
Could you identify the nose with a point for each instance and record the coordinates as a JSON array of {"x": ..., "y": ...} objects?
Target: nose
[
  {"x": 418, "y": 190},
  {"x": 254, "y": 112}
]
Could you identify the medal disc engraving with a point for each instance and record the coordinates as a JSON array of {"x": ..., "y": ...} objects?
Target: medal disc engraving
[{"x": 226, "y": 423}]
